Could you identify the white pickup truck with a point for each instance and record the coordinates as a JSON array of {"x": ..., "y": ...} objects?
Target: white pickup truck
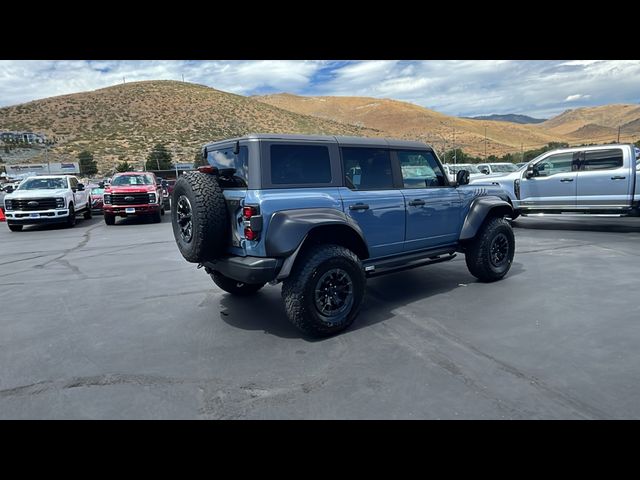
[
  {"x": 594, "y": 180},
  {"x": 46, "y": 199}
]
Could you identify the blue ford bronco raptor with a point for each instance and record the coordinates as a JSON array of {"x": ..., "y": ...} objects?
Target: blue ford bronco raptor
[{"x": 322, "y": 213}]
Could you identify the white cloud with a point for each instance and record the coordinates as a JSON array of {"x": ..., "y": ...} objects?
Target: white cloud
[
  {"x": 457, "y": 87},
  {"x": 577, "y": 96}
]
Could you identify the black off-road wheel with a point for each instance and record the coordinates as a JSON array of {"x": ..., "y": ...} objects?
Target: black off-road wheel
[
  {"x": 490, "y": 254},
  {"x": 87, "y": 213},
  {"x": 156, "y": 217},
  {"x": 15, "y": 228},
  {"x": 71, "y": 219},
  {"x": 199, "y": 217},
  {"x": 324, "y": 292},
  {"x": 109, "y": 219},
  {"x": 234, "y": 287}
]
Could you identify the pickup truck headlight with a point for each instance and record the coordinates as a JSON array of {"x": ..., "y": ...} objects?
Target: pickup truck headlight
[
  {"x": 152, "y": 198},
  {"x": 59, "y": 202},
  {"x": 106, "y": 199},
  {"x": 8, "y": 205}
]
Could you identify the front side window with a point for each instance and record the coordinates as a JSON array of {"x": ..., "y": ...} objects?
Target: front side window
[
  {"x": 559, "y": 163},
  {"x": 233, "y": 167},
  {"x": 367, "y": 168},
  {"x": 420, "y": 170},
  {"x": 602, "y": 159},
  {"x": 300, "y": 164}
]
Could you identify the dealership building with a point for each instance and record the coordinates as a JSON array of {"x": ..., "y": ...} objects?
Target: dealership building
[{"x": 50, "y": 168}]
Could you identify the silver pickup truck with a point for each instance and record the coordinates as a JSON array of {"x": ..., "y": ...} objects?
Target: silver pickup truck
[{"x": 602, "y": 179}]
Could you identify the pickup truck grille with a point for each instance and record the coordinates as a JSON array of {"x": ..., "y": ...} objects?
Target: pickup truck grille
[
  {"x": 129, "y": 198},
  {"x": 36, "y": 204}
]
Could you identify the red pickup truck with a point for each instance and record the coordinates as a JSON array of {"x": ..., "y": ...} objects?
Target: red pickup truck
[{"x": 133, "y": 194}]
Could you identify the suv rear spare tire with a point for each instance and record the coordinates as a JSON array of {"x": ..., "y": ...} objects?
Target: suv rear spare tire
[{"x": 199, "y": 218}]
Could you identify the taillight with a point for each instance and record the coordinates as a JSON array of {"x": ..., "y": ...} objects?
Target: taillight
[
  {"x": 248, "y": 212},
  {"x": 250, "y": 234},
  {"x": 252, "y": 222}
]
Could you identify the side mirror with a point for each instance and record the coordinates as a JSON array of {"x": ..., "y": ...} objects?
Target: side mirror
[
  {"x": 8, "y": 189},
  {"x": 165, "y": 184},
  {"x": 462, "y": 177},
  {"x": 81, "y": 187},
  {"x": 530, "y": 171},
  {"x": 484, "y": 170}
]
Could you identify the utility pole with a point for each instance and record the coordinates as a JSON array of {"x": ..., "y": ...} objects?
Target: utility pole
[
  {"x": 123, "y": 80},
  {"x": 455, "y": 152},
  {"x": 183, "y": 78},
  {"x": 485, "y": 143}
]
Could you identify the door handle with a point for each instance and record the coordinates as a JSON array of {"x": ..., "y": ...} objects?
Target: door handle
[
  {"x": 359, "y": 206},
  {"x": 566, "y": 179},
  {"x": 618, "y": 178},
  {"x": 416, "y": 203}
]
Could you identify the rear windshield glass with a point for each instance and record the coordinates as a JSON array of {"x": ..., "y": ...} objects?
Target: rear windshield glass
[
  {"x": 233, "y": 168},
  {"x": 300, "y": 164}
]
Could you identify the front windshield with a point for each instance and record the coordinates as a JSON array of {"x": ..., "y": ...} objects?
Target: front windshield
[
  {"x": 97, "y": 191},
  {"x": 507, "y": 167},
  {"x": 43, "y": 184},
  {"x": 124, "y": 180},
  {"x": 469, "y": 168}
]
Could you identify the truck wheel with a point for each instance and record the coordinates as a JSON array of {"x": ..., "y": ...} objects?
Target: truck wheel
[
  {"x": 156, "y": 217},
  {"x": 109, "y": 219},
  {"x": 324, "y": 292},
  {"x": 15, "y": 228},
  {"x": 233, "y": 286},
  {"x": 87, "y": 212},
  {"x": 199, "y": 217},
  {"x": 71, "y": 219},
  {"x": 490, "y": 254}
]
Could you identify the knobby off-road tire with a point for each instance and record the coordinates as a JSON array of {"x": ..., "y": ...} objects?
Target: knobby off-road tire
[
  {"x": 490, "y": 254},
  {"x": 324, "y": 292},
  {"x": 109, "y": 219},
  {"x": 87, "y": 212},
  {"x": 199, "y": 217},
  {"x": 156, "y": 217},
  {"x": 234, "y": 287},
  {"x": 15, "y": 228}
]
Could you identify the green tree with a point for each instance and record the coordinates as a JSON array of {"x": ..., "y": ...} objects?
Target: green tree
[
  {"x": 124, "y": 167},
  {"x": 199, "y": 160},
  {"x": 159, "y": 159},
  {"x": 88, "y": 166}
]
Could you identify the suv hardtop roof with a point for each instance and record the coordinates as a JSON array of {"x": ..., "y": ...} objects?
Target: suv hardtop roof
[{"x": 341, "y": 140}]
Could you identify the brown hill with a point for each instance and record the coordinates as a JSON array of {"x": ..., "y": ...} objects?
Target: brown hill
[
  {"x": 125, "y": 121},
  {"x": 608, "y": 116},
  {"x": 406, "y": 120}
]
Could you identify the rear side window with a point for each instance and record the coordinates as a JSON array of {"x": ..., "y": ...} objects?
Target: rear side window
[
  {"x": 602, "y": 159},
  {"x": 300, "y": 164},
  {"x": 233, "y": 168},
  {"x": 367, "y": 168}
]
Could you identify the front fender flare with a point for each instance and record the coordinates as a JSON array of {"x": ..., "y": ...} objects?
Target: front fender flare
[{"x": 480, "y": 209}]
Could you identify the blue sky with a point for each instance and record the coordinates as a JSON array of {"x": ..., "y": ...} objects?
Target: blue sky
[{"x": 455, "y": 87}]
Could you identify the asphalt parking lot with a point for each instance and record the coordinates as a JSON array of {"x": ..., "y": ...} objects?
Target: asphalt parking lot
[{"x": 110, "y": 322}]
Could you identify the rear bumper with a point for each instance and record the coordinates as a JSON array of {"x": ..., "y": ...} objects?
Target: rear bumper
[
  {"x": 247, "y": 269},
  {"x": 119, "y": 210}
]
